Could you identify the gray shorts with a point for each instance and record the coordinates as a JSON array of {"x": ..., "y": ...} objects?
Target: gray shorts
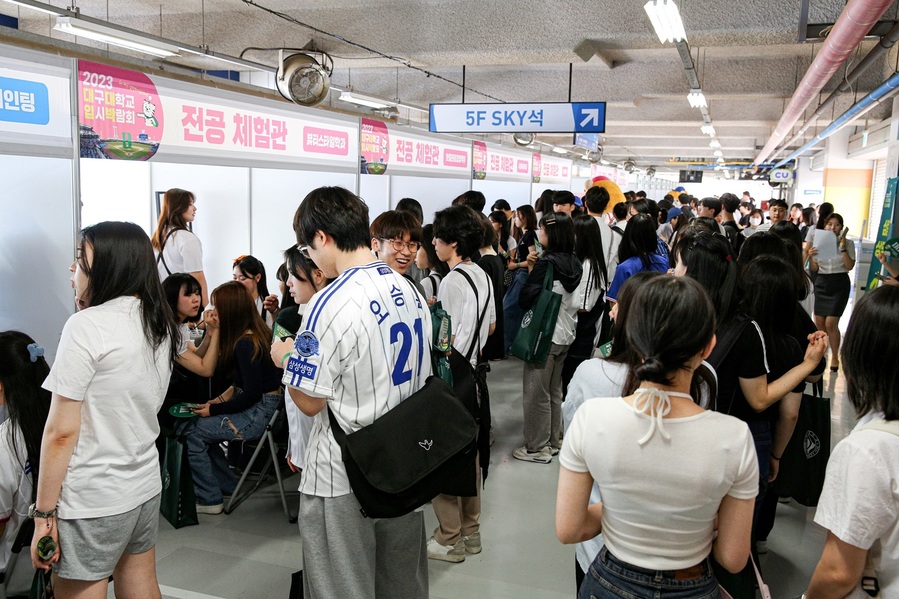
[{"x": 92, "y": 547}]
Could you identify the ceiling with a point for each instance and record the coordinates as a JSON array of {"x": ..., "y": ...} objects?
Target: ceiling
[{"x": 747, "y": 58}]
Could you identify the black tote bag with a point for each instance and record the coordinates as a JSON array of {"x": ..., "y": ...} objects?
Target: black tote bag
[{"x": 804, "y": 461}]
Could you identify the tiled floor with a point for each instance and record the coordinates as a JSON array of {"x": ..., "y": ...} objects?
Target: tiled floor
[{"x": 252, "y": 552}]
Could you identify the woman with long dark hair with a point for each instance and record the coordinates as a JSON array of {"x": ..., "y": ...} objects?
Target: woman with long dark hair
[
  {"x": 243, "y": 410},
  {"x": 589, "y": 295},
  {"x": 858, "y": 503},
  {"x": 182, "y": 292},
  {"x": 250, "y": 272},
  {"x": 505, "y": 242},
  {"x": 177, "y": 248},
  {"x": 640, "y": 447},
  {"x": 98, "y": 488},
  {"x": 22, "y": 370},
  {"x": 428, "y": 262},
  {"x": 639, "y": 251}
]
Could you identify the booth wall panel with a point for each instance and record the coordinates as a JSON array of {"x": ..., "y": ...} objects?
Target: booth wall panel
[
  {"x": 514, "y": 192},
  {"x": 276, "y": 196},
  {"x": 116, "y": 190},
  {"x": 223, "y": 211},
  {"x": 434, "y": 194},
  {"x": 37, "y": 247}
]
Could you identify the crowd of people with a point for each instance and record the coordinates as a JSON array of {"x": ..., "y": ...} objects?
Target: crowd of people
[{"x": 683, "y": 325}]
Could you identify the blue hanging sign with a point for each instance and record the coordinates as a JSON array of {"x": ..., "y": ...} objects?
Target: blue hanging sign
[{"x": 542, "y": 117}]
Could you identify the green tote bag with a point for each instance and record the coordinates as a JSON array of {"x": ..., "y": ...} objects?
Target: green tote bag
[{"x": 532, "y": 343}]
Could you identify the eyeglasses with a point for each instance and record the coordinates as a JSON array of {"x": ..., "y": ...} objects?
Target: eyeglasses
[
  {"x": 304, "y": 250},
  {"x": 399, "y": 244}
]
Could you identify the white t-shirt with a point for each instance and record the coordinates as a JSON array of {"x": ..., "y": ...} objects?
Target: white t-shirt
[
  {"x": 267, "y": 316},
  {"x": 511, "y": 244},
  {"x": 182, "y": 252},
  {"x": 660, "y": 499},
  {"x": 593, "y": 378},
  {"x": 566, "y": 322},
  {"x": 860, "y": 500},
  {"x": 104, "y": 362},
  {"x": 365, "y": 347},
  {"x": 457, "y": 298},
  {"x": 585, "y": 298},
  {"x": 299, "y": 426},
  {"x": 15, "y": 488}
]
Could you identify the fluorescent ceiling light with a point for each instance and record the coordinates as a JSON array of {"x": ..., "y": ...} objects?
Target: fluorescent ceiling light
[
  {"x": 714, "y": 144},
  {"x": 666, "y": 20},
  {"x": 239, "y": 62},
  {"x": 354, "y": 98},
  {"x": 719, "y": 153},
  {"x": 109, "y": 34},
  {"x": 559, "y": 150},
  {"x": 708, "y": 130},
  {"x": 720, "y": 161},
  {"x": 33, "y": 6},
  {"x": 697, "y": 99}
]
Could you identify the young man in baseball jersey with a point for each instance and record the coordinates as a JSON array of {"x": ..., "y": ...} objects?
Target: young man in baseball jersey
[{"x": 363, "y": 349}]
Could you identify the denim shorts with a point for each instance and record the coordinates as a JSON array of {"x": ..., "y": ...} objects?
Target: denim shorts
[{"x": 611, "y": 578}]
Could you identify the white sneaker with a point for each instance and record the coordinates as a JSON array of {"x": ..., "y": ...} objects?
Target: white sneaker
[
  {"x": 210, "y": 509},
  {"x": 454, "y": 553},
  {"x": 544, "y": 456},
  {"x": 472, "y": 543}
]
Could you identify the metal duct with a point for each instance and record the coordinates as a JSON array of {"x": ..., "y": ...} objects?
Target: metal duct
[
  {"x": 886, "y": 42},
  {"x": 883, "y": 91},
  {"x": 854, "y": 23}
]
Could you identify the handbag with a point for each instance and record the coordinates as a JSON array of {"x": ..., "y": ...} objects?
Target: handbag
[
  {"x": 41, "y": 585},
  {"x": 804, "y": 460},
  {"x": 402, "y": 460},
  {"x": 534, "y": 338},
  {"x": 178, "y": 503},
  {"x": 764, "y": 591}
]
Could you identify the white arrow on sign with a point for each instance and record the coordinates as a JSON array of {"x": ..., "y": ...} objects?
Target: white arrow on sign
[{"x": 592, "y": 114}]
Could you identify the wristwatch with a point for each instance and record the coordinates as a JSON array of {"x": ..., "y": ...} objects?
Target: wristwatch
[{"x": 34, "y": 513}]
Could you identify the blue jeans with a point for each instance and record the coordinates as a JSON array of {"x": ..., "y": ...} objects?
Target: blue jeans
[
  {"x": 208, "y": 465},
  {"x": 512, "y": 312},
  {"x": 611, "y": 578},
  {"x": 761, "y": 435}
]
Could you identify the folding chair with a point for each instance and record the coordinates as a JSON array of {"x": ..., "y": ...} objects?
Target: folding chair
[
  {"x": 276, "y": 425},
  {"x": 16, "y": 581}
]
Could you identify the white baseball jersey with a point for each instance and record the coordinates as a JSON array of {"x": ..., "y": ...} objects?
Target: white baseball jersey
[{"x": 365, "y": 346}]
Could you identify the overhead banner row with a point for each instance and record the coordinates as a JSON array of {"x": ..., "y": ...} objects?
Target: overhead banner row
[{"x": 128, "y": 115}]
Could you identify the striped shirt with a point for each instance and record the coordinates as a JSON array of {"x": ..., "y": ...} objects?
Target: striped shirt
[{"x": 365, "y": 347}]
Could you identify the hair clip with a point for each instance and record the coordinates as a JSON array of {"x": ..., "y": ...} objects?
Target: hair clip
[
  {"x": 549, "y": 219},
  {"x": 35, "y": 351}
]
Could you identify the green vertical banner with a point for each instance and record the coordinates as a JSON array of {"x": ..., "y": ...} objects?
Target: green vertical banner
[{"x": 884, "y": 232}]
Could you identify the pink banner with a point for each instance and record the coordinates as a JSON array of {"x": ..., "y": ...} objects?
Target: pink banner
[
  {"x": 325, "y": 141},
  {"x": 375, "y": 148},
  {"x": 119, "y": 112},
  {"x": 455, "y": 158},
  {"x": 479, "y": 160}
]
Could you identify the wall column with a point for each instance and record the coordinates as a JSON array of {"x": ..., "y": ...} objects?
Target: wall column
[{"x": 847, "y": 182}]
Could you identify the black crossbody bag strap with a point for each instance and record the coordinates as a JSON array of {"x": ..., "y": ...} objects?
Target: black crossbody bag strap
[
  {"x": 161, "y": 248},
  {"x": 477, "y": 331}
]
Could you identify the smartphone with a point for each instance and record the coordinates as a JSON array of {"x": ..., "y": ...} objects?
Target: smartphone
[{"x": 880, "y": 277}]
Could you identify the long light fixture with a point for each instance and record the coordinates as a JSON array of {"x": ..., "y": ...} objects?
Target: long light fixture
[
  {"x": 697, "y": 99},
  {"x": 114, "y": 36},
  {"x": 361, "y": 100},
  {"x": 32, "y": 6},
  {"x": 708, "y": 130},
  {"x": 666, "y": 20},
  {"x": 719, "y": 153},
  {"x": 714, "y": 144},
  {"x": 559, "y": 150}
]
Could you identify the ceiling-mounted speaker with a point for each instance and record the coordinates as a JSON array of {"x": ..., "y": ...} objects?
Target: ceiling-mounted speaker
[
  {"x": 629, "y": 166},
  {"x": 594, "y": 156},
  {"x": 651, "y": 172},
  {"x": 523, "y": 139},
  {"x": 302, "y": 79}
]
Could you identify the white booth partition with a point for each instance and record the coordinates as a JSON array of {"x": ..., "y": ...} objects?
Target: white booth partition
[
  {"x": 37, "y": 168},
  {"x": 403, "y": 162},
  {"x": 549, "y": 172},
  {"x": 501, "y": 173},
  {"x": 248, "y": 161}
]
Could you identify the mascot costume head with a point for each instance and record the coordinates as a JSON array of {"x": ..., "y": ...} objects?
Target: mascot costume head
[{"x": 616, "y": 196}]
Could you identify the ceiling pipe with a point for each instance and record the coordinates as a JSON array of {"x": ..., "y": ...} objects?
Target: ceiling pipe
[
  {"x": 850, "y": 29},
  {"x": 886, "y": 42},
  {"x": 883, "y": 92}
]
